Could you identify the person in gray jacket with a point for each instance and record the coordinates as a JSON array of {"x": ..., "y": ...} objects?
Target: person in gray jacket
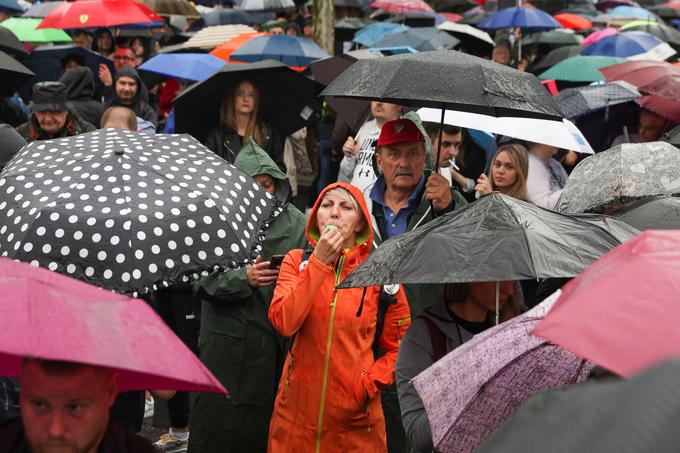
[{"x": 464, "y": 310}]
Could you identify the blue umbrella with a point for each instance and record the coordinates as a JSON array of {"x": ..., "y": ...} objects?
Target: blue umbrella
[
  {"x": 10, "y": 6},
  {"x": 638, "y": 45},
  {"x": 189, "y": 66},
  {"x": 289, "y": 50},
  {"x": 374, "y": 33},
  {"x": 41, "y": 10},
  {"x": 520, "y": 17},
  {"x": 632, "y": 11},
  {"x": 387, "y": 51},
  {"x": 421, "y": 39}
]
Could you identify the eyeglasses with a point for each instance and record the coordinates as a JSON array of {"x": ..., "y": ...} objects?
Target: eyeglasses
[{"x": 122, "y": 57}]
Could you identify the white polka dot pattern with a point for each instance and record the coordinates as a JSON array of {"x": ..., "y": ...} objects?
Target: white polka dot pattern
[{"x": 130, "y": 212}]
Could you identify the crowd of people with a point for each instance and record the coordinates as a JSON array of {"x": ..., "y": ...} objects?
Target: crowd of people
[{"x": 308, "y": 367}]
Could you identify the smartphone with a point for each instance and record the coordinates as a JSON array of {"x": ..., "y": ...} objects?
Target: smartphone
[{"x": 275, "y": 261}]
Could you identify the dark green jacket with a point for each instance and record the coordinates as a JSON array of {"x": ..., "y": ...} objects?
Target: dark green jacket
[{"x": 237, "y": 342}]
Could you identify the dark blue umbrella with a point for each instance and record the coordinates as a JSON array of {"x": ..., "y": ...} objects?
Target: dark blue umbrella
[
  {"x": 10, "y": 6},
  {"x": 189, "y": 66},
  {"x": 631, "y": 44},
  {"x": 47, "y": 64},
  {"x": 519, "y": 17},
  {"x": 289, "y": 50}
]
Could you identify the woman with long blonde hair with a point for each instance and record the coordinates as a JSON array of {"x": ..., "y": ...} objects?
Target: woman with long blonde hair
[
  {"x": 508, "y": 174},
  {"x": 240, "y": 120}
]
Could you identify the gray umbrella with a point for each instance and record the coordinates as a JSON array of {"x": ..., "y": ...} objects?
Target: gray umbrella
[
  {"x": 495, "y": 238},
  {"x": 580, "y": 101},
  {"x": 446, "y": 79},
  {"x": 553, "y": 37},
  {"x": 617, "y": 416},
  {"x": 622, "y": 174},
  {"x": 658, "y": 213},
  {"x": 672, "y": 136},
  {"x": 421, "y": 39}
]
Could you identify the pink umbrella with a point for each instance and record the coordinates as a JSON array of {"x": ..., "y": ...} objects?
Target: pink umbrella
[
  {"x": 49, "y": 316},
  {"x": 597, "y": 35},
  {"x": 401, "y": 6},
  {"x": 622, "y": 312}
]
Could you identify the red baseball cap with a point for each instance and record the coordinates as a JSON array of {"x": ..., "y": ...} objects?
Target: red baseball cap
[{"x": 402, "y": 130}]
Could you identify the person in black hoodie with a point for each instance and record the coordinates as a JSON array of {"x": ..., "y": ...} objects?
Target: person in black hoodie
[
  {"x": 79, "y": 83},
  {"x": 128, "y": 90}
]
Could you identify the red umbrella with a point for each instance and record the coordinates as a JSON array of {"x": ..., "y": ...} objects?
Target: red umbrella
[
  {"x": 622, "y": 312},
  {"x": 666, "y": 107},
  {"x": 224, "y": 50},
  {"x": 99, "y": 13},
  {"x": 573, "y": 21},
  {"x": 452, "y": 17},
  {"x": 49, "y": 316},
  {"x": 401, "y": 6},
  {"x": 653, "y": 77}
]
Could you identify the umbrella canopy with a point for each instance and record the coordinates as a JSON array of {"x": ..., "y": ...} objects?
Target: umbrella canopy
[
  {"x": 161, "y": 209},
  {"x": 26, "y": 31},
  {"x": 352, "y": 23},
  {"x": 622, "y": 174},
  {"x": 288, "y": 98},
  {"x": 665, "y": 12},
  {"x": 172, "y": 8},
  {"x": 598, "y": 35},
  {"x": 667, "y": 107},
  {"x": 467, "y": 34},
  {"x": 53, "y": 317},
  {"x": 574, "y": 102},
  {"x": 267, "y": 5},
  {"x": 553, "y": 57},
  {"x": 573, "y": 22},
  {"x": 12, "y": 75},
  {"x": 657, "y": 213},
  {"x": 99, "y": 13},
  {"x": 553, "y": 37},
  {"x": 375, "y": 32},
  {"x": 661, "y": 31},
  {"x": 562, "y": 134},
  {"x": 447, "y": 79},
  {"x": 580, "y": 69},
  {"x": 632, "y": 11},
  {"x": 497, "y": 238},
  {"x": 611, "y": 416},
  {"x": 672, "y": 136},
  {"x": 401, "y": 6},
  {"x": 635, "y": 45},
  {"x": 188, "y": 66},
  {"x": 492, "y": 374},
  {"x": 421, "y": 39},
  {"x": 225, "y": 16},
  {"x": 604, "y": 5},
  {"x": 10, "y": 7},
  {"x": 211, "y": 37},
  {"x": 290, "y": 50},
  {"x": 10, "y": 44},
  {"x": 519, "y": 17},
  {"x": 40, "y": 10},
  {"x": 623, "y": 332},
  {"x": 47, "y": 63},
  {"x": 224, "y": 50},
  {"x": 642, "y": 73}
]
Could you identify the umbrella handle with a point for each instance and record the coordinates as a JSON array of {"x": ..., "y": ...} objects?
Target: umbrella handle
[
  {"x": 498, "y": 308},
  {"x": 439, "y": 151}
]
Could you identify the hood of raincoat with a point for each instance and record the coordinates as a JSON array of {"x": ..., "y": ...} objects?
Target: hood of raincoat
[
  {"x": 79, "y": 83},
  {"x": 364, "y": 237},
  {"x": 253, "y": 160},
  {"x": 142, "y": 93}
]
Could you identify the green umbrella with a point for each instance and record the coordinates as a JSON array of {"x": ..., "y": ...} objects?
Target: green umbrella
[
  {"x": 580, "y": 69},
  {"x": 25, "y": 30},
  {"x": 553, "y": 38}
]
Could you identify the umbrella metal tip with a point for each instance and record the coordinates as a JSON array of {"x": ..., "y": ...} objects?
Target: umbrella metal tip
[{"x": 119, "y": 152}]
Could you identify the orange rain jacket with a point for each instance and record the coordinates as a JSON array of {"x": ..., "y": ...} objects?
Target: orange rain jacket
[{"x": 329, "y": 394}]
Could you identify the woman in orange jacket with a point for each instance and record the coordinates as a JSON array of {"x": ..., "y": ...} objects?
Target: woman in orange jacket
[{"x": 329, "y": 394}]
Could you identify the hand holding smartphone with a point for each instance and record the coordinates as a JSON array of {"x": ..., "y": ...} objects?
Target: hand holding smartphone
[{"x": 275, "y": 261}]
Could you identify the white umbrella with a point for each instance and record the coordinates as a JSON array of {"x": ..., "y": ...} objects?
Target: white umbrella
[
  {"x": 466, "y": 30},
  {"x": 562, "y": 134}
]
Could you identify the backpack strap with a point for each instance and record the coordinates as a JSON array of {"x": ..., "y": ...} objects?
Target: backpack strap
[{"x": 437, "y": 338}]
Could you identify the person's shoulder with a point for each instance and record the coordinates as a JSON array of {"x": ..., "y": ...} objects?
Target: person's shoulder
[
  {"x": 12, "y": 435},
  {"x": 138, "y": 444}
]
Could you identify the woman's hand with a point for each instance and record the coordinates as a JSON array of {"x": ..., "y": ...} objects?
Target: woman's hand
[
  {"x": 483, "y": 185},
  {"x": 329, "y": 245}
]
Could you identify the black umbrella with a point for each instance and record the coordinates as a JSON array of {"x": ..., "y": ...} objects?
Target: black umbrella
[
  {"x": 553, "y": 57},
  {"x": 288, "y": 98},
  {"x": 9, "y": 43},
  {"x": 47, "y": 63},
  {"x": 622, "y": 174},
  {"x": 554, "y": 38},
  {"x": 610, "y": 416},
  {"x": 446, "y": 79},
  {"x": 421, "y": 39},
  {"x": 10, "y": 144},
  {"x": 665, "y": 12},
  {"x": 496, "y": 238},
  {"x": 658, "y": 213},
  {"x": 130, "y": 212},
  {"x": 12, "y": 75},
  {"x": 353, "y": 111}
]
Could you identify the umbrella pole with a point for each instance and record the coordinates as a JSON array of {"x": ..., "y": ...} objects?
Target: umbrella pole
[
  {"x": 439, "y": 150},
  {"x": 498, "y": 284}
]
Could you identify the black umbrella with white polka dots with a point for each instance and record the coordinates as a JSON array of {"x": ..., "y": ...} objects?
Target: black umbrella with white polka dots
[{"x": 130, "y": 212}]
